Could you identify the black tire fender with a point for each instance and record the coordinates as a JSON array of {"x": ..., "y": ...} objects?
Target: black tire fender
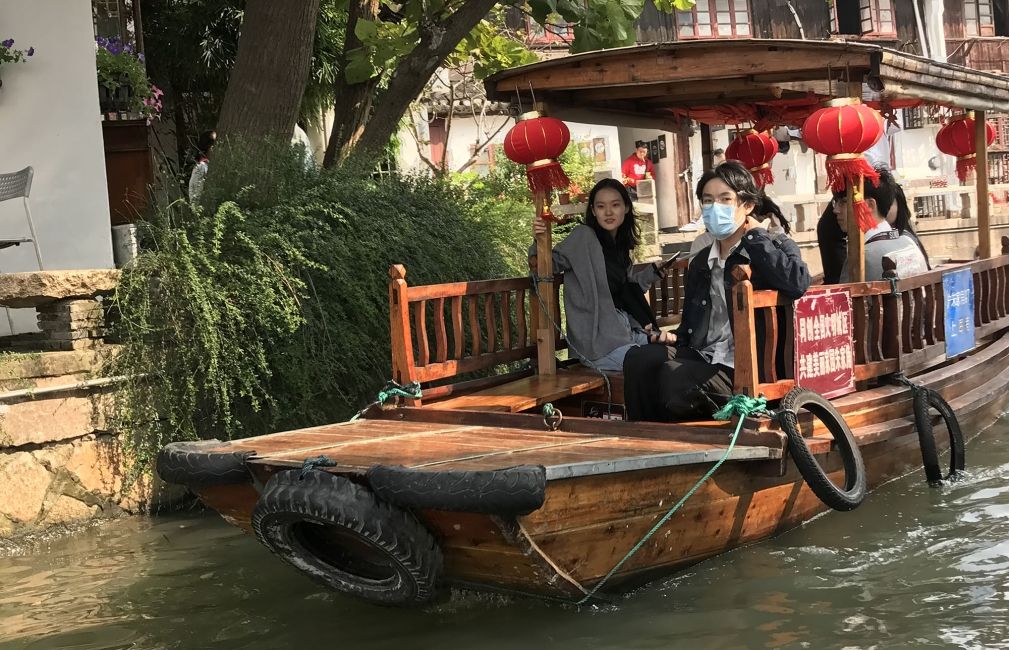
[
  {"x": 341, "y": 535},
  {"x": 190, "y": 464},
  {"x": 924, "y": 399},
  {"x": 853, "y": 493},
  {"x": 512, "y": 491}
]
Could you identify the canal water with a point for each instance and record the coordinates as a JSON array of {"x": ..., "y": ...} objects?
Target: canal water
[{"x": 912, "y": 567}]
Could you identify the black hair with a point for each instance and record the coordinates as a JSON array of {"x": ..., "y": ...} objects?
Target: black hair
[
  {"x": 628, "y": 234},
  {"x": 206, "y": 142},
  {"x": 737, "y": 177},
  {"x": 769, "y": 207},
  {"x": 902, "y": 223}
]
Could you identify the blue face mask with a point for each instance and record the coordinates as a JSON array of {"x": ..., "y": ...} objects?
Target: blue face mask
[{"x": 719, "y": 220}]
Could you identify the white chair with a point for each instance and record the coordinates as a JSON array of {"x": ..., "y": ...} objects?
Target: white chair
[
  {"x": 19, "y": 185},
  {"x": 12, "y": 186}
]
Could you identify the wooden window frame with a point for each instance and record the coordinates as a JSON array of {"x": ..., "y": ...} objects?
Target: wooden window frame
[
  {"x": 975, "y": 22},
  {"x": 872, "y": 22},
  {"x": 712, "y": 13}
]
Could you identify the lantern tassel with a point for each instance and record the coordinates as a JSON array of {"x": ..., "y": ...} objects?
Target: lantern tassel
[
  {"x": 763, "y": 176},
  {"x": 848, "y": 168},
  {"x": 863, "y": 215},
  {"x": 964, "y": 166},
  {"x": 547, "y": 177}
]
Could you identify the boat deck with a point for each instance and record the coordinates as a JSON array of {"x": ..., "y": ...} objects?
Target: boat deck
[{"x": 357, "y": 446}]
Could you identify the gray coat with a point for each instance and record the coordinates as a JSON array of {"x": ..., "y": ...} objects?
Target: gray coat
[{"x": 594, "y": 328}]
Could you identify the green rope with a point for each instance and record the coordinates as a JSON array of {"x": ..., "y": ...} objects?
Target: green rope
[
  {"x": 548, "y": 410},
  {"x": 741, "y": 405},
  {"x": 392, "y": 389}
]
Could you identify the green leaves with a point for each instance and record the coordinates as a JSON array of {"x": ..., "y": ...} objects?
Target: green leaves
[
  {"x": 491, "y": 51},
  {"x": 383, "y": 45},
  {"x": 670, "y": 6}
]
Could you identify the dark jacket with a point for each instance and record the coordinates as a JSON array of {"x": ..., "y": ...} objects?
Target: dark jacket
[
  {"x": 833, "y": 243},
  {"x": 776, "y": 264}
]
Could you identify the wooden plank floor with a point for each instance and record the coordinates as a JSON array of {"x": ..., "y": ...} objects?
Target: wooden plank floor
[{"x": 435, "y": 446}]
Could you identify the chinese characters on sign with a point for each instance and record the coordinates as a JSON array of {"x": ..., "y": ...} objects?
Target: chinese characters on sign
[
  {"x": 824, "y": 354},
  {"x": 958, "y": 291}
]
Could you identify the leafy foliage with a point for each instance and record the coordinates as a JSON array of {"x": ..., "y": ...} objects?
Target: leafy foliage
[{"x": 267, "y": 307}]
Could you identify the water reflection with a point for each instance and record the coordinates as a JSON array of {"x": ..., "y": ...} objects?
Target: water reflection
[{"x": 912, "y": 566}]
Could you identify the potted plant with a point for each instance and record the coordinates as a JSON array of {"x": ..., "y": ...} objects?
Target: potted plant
[
  {"x": 123, "y": 85},
  {"x": 9, "y": 55}
]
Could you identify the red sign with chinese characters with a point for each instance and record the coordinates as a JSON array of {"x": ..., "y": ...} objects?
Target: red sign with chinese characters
[{"x": 824, "y": 353}]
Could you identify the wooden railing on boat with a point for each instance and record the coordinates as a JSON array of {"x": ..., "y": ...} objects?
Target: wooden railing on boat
[
  {"x": 897, "y": 327},
  {"x": 441, "y": 331}
]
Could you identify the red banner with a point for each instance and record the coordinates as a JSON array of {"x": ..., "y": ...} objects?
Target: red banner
[{"x": 824, "y": 353}]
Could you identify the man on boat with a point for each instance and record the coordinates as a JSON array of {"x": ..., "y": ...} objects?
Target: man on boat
[
  {"x": 637, "y": 167},
  {"x": 884, "y": 240},
  {"x": 692, "y": 379}
]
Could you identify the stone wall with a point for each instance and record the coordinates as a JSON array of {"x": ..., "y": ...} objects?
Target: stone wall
[{"x": 58, "y": 463}]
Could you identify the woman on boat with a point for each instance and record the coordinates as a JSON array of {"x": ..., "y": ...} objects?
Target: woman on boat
[
  {"x": 604, "y": 301},
  {"x": 692, "y": 380},
  {"x": 902, "y": 221},
  {"x": 768, "y": 213},
  {"x": 888, "y": 205}
]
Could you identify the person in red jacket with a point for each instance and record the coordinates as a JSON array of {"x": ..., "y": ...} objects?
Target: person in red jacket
[{"x": 637, "y": 167}]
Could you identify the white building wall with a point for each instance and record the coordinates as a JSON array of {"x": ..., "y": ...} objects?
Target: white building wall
[{"x": 49, "y": 119}]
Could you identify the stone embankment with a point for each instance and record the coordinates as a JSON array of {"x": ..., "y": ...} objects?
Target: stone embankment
[{"x": 58, "y": 462}]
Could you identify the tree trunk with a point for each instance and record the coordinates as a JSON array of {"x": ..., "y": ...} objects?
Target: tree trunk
[
  {"x": 362, "y": 134},
  {"x": 271, "y": 69},
  {"x": 353, "y": 101}
]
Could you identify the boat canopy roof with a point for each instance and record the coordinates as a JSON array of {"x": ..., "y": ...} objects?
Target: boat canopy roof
[{"x": 760, "y": 81}]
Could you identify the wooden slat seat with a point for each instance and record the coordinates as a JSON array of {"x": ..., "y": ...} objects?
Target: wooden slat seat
[{"x": 526, "y": 393}]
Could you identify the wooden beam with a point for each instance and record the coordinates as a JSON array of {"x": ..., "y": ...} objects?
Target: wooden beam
[
  {"x": 983, "y": 202},
  {"x": 634, "y": 68}
]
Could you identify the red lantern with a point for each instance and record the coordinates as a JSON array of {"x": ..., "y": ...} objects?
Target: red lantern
[
  {"x": 536, "y": 141},
  {"x": 956, "y": 138},
  {"x": 843, "y": 129},
  {"x": 755, "y": 149}
]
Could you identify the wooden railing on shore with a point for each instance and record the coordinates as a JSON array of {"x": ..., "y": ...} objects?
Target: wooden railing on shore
[{"x": 897, "y": 327}]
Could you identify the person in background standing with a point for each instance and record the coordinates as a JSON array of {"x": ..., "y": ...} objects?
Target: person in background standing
[
  {"x": 637, "y": 167},
  {"x": 196, "y": 179}
]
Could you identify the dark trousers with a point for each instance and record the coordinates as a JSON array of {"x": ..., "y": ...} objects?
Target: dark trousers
[{"x": 667, "y": 384}]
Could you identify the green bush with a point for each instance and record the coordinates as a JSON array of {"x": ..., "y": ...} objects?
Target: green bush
[{"x": 266, "y": 307}]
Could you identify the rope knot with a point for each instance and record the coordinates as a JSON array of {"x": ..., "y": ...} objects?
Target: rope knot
[
  {"x": 741, "y": 405},
  {"x": 312, "y": 463}
]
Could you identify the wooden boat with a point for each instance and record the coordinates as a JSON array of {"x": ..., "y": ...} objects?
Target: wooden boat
[{"x": 473, "y": 485}]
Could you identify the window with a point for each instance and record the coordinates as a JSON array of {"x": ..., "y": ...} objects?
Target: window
[
  {"x": 860, "y": 17},
  {"x": 978, "y": 18},
  {"x": 557, "y": 31},
  {"x": 107, "y": 16},
  {"x": 485, "y": 160},
  {"x": 714, "y": 19},
  {"x": 919, "y": 116}
]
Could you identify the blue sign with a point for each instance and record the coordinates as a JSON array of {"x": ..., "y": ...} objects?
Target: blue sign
[{"x": 958, "y": 291}]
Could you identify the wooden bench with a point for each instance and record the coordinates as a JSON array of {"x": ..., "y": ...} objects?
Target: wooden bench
[{"x": 444, "y": 332}]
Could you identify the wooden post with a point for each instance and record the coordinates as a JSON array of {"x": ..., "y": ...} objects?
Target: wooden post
[
  {"x": 856, "y": 241},
  {"x": 744, "y": 333},
  {"x": 707, "y": 157},
  {"x": 403, "y": 369},
  {"x": 983, "y": 203},
  {"x": 546, "y": 360}
]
